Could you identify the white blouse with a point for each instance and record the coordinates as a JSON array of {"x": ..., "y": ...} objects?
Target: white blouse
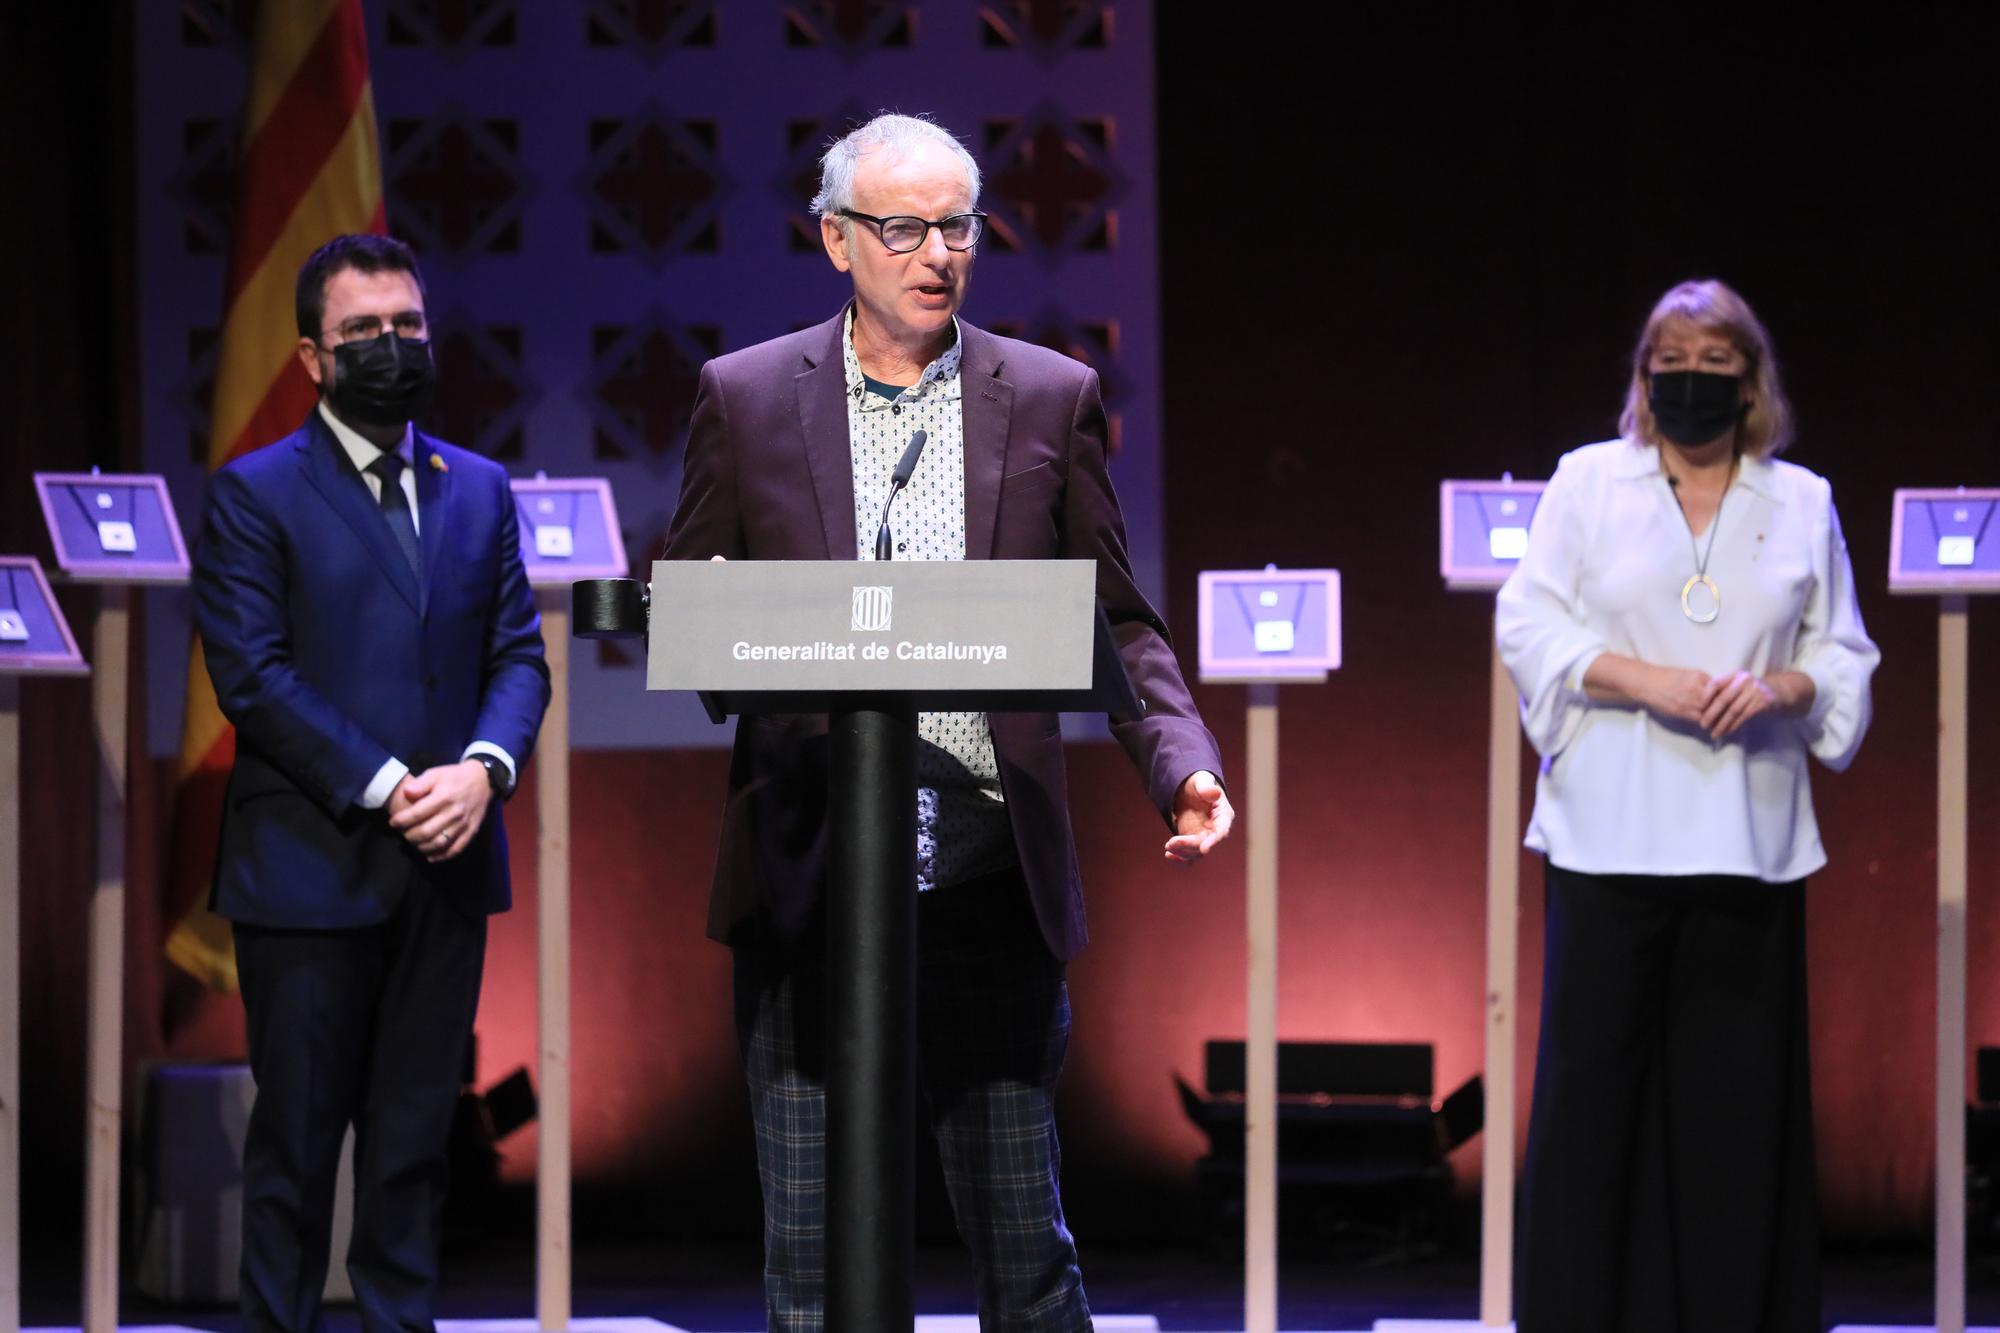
[{"x": 1623, "y": 791}]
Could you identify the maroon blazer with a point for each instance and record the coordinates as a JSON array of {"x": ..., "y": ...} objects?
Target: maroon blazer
[{"x": 768, "y": 476}]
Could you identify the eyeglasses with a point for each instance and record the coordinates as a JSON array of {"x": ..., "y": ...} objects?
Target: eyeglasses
[
  {"x": 901, "y": 235},
  {"x": 410, "y": 325}
]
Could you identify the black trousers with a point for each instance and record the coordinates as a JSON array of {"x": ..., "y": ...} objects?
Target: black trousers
[
  {"x": 1669, "y": 1184},
  {"x": 369, "y": 1028}
]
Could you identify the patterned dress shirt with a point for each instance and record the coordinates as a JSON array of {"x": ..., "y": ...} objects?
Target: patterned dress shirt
[{"x": 962, "y": 828}]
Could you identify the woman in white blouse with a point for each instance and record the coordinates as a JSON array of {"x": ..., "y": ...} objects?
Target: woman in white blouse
[{"x": 1683, "y": 632}]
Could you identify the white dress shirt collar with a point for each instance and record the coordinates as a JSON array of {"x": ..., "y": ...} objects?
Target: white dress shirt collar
[
  {"x": 941, "y": 373},
  {"x": 1755, "y": 471},
  {"x": 363, "y": 450}
]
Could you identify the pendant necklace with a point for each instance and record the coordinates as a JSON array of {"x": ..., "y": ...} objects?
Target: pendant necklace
[{"x": 1701, "y": 600}]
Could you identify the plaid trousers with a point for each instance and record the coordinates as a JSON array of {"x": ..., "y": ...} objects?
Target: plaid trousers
[{"x": 992, "y": 1027}]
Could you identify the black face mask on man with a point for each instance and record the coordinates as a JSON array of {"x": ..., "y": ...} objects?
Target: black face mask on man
[
  {"x": 1695, "y": 406},
  {"x": 382, "y": 381}
]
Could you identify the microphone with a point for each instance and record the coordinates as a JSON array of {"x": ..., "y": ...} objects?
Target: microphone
[{"x": 906, "y": 468}]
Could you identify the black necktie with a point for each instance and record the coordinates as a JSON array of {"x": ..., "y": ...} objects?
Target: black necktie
[{"x": 396, "y": 508}]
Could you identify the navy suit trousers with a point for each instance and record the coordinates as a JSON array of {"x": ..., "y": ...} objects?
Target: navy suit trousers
[{"x": 365, "y": 1027}]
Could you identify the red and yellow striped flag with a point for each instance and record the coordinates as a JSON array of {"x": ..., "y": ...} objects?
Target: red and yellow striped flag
[{"x": 311, "y": 170}]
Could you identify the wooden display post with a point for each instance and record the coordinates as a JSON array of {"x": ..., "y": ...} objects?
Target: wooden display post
[
  {"x": 34, "y": 641},
  {"x": 1482, "y": 533},
  {"x": 115, "y": 532},
  {"x": 1940, "y": 546},
  {"x": 569, "y": 530},
  {"x": 1264, "y": 628}
]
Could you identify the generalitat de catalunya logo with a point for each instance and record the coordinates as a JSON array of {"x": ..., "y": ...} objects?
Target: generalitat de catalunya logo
[{"x": 871, "y": 610}]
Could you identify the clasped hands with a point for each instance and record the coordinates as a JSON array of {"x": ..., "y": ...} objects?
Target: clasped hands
[
  {"x": 1719, "y": 705},
  {"x": 439, "y": 810}
]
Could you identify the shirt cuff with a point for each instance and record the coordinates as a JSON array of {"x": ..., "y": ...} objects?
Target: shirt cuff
[
  {"x": 1822, "y": 700},
  {"x": 1573, "y": 682},
  {"x": 383, "y": 785},
  {"x": 506, "y": 760}
]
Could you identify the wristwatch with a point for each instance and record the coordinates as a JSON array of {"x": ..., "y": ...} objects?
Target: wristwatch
[{"x": 496, "y": 774}]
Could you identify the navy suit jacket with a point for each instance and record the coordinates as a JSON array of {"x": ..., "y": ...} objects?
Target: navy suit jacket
[
  {"x": 329, "y": 657},
  {"x": 769, "y": 476}
]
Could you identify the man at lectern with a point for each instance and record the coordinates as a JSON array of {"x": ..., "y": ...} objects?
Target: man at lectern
[
  {"x": 368, "y": 625},
  {"x": 789, "y": 458}
]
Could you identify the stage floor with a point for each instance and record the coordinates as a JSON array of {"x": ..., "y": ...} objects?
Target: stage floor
[{"x": 714, "y": 1288}]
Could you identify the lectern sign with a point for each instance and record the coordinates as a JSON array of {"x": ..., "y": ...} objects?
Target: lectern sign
[
  {"x": 1483, "y": 530},
  {"x": 112, "y": 529},
  {"x": 34, "y": 637},
  {"x": 1944, "y": 541},
  {"x": 569, "y": 530},
  {"x": 813, "y": 625},
  {"x": 1269, "y": 624}
]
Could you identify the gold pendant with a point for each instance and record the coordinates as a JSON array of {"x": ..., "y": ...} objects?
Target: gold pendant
[{"x": 1710, "y": 607}]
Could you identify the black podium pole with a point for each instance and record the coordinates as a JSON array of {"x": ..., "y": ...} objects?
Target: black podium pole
[{"x": 871, "y": 1019}]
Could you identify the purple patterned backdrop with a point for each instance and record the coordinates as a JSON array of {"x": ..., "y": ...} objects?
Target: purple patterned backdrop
[{"x": 607, "y": 193}]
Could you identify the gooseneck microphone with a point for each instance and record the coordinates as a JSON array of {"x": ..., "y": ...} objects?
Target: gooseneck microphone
[{"x": 905, "y": 469}]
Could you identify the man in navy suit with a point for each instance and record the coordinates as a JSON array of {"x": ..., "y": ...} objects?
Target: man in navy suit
[
  {"x": 788, "y": 458},
  {"x": 369, "y": 629}
]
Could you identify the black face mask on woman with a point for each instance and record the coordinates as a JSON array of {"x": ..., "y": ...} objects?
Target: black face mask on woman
[
  {"x": 1694, "y": 406},
  {"x": 382, "y": 381}
]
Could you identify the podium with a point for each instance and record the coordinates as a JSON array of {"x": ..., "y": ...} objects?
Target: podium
[
  {"x": 1938, "y": 548},
  {"x": 35, "y": 640},
  {"x": 870, "y": 644},
  {"x": 1264, "y": 628},
  {"x": 569, "y": 530},
  {"x": 118, "y": 532},
  {"x": 1482, "y": 535}
]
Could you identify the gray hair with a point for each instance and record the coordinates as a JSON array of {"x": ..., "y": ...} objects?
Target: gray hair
[{"x": 890, "y": 133}]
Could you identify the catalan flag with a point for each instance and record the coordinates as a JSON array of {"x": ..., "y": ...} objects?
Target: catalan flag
[{"x": 310, "y": 170}]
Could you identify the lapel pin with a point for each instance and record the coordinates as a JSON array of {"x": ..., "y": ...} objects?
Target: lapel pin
[{"x": 437, "y": 462}]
